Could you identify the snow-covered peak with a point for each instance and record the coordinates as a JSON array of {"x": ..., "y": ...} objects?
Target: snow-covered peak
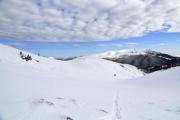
[{"x": 125, "y": 52}]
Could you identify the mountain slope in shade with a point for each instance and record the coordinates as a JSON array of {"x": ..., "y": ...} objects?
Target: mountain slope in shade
[
  {"x": 146, "y": 60},
  {"x": 84, "y": 89}
]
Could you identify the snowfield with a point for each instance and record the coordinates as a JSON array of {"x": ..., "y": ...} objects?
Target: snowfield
[{"x": 86, "y": 88}]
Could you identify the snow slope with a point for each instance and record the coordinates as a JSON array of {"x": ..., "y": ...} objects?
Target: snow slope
[
  {"x": 84, "y": 89},
  {"x": 80, "y": 67}
]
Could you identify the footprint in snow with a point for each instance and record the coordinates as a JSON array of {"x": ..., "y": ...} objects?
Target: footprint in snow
[
  {"x": 176, "y": 111},
  {"x": 59, "y": 98},
  {"x": 43, "y": 101},
  {"x": 73, "y": 101},
  {"x": 150, "y": 103},
  {"x": 104, "y": 111}
]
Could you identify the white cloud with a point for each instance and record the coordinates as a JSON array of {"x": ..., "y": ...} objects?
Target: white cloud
[
  {"x": 158, "y": 45},
  {"x": 163, "y": 44},
  {"x": 103, "y": 45},
  {"x": 17, "y": 44},
  {"x": 76, "y": 45},
  {"x": 117, "y": 45},
  {"x": 131, "y": 43},
  {"x": 114, "y": 45},
  {"x": 86, "y": 20}
]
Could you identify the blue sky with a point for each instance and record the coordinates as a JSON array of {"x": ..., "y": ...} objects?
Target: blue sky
[
  {"x": 160, "y": 41},
  {"x": 56, "y": 27}
]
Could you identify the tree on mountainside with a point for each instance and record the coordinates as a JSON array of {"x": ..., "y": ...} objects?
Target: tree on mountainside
[
  {"x": 25, "y": 57},
  {"x": 28, "y": 57}
]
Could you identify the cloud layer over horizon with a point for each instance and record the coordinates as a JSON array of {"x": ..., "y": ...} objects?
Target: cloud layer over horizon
[{"x": 86, "y": 20}]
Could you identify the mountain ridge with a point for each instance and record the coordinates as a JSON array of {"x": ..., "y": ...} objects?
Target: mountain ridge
[{"x": 144, "y": 59}]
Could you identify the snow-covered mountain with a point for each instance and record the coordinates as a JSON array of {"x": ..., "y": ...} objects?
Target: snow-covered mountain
[
  {"x": 83, "y": 89},
  {"x": 146, "y": 60},
  {"x": 122, "y": 53}
]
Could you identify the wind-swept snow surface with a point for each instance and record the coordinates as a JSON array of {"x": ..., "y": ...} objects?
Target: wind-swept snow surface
[{"x": 84, "y": 89}]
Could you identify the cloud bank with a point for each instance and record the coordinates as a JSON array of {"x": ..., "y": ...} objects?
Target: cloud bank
[{"x": 86, "y": 20}]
